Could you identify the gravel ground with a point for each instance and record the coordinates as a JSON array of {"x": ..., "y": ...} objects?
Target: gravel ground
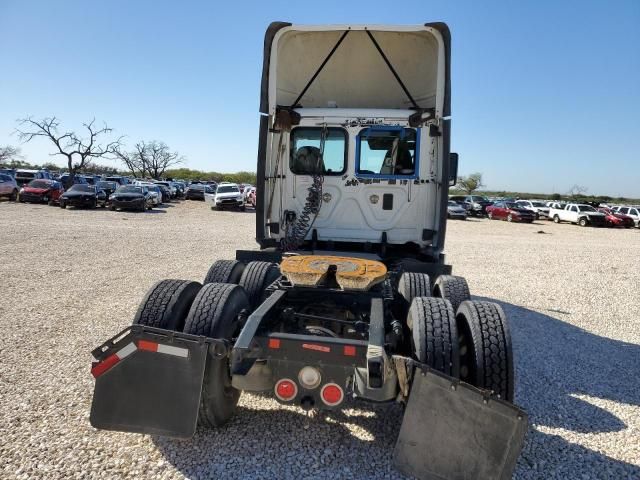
[{"x": 73, "y": 278}]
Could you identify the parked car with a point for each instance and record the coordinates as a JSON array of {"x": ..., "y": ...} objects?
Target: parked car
[
  {"x": 196, "y": 191},
  {"x": 77, "y": 180},
  {"x": 252, "y": 198},
  {"x": 537, "y": 207},
  {"x": 615, "y": 219},
  {"x": 24, "y": 176},
  {"x": 82, "y": 195},
  {"x": 119, "y": 179},
  {"x": 477, "y": 203},
  {"x": 227, "y": 195},
  {"x": 131, "y": 197},
  {"x": 455, "y": 210},
  {"x": 578, "y": 213},
  {"x": 510, "y": 211},
  {"x": 107, "y": 187},
  {"x": 247, "y": 190},
  {"x": 153, "y": 189},
  {"x": 41, "y": 191},
  {"x": 173, "y": 191},
  {"x": 166, "y": 193},
  {"x": 8, "y": 187},
  {"x": 633, "y": 212}
]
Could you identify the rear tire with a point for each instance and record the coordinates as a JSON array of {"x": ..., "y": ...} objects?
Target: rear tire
[
  {"x": 14, "y": 196},
  {"x": 215, "y": 314},
  {"x": 167, "y": 304},
  {"x": 486, "y": 356},
  {"x": 434, "y": 335},
  {"x": 583, "y": 222},
  {"x": 490, "y": 215},
  {"x": 256, "y": 277},
  {"x": 62, "y": 204},
  {"x": 452, "y": 288},
  {"x": 556, "y": 219},
  {"x": 224, "y": 271},
  {"x": 412, "y": 285}
]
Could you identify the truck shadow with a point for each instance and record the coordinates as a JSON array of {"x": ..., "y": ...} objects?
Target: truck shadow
[
  {"x": 563, "y": 363},
  {"x": 358, "y": 442}
]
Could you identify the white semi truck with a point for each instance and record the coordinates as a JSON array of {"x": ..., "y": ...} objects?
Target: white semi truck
[{"x": 349, "y": 297}]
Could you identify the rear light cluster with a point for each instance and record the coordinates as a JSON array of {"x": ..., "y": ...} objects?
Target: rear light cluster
[{"x": 310, "y": 378}]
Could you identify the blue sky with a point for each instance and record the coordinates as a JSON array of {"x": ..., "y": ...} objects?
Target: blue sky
[{"x": 545, "y": 94}]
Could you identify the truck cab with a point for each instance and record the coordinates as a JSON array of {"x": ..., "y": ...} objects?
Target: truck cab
[{"x": 355, "y": 150}]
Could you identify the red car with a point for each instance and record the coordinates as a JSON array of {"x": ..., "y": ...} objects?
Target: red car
[
  {"x": 615, "y": 219},
  {"x": 41, "y": 191},
  {"x": 510, "y": 211}
]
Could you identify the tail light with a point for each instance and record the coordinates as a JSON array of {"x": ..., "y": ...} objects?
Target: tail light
[
  {"x": 332, "y": 394},
  {"x": 286, "y": 389}
]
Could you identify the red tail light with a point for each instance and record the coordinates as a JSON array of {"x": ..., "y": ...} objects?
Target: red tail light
[
  {"x": 286, "y": 389},
  {"x": 332, "y": 394}
]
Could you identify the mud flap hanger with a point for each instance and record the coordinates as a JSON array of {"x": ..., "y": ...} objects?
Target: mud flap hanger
[{"x": 453, "y": 430}]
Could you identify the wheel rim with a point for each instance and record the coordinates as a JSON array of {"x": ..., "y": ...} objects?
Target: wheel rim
[{"x": 509, "y": 218}]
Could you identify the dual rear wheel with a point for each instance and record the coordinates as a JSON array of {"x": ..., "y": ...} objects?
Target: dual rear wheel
[
  {"x": 457, "y": 336},
  {"x": 217, "y": 309}
]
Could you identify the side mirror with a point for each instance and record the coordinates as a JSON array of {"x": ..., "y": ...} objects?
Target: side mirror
[{"x": 453, "y": 169}]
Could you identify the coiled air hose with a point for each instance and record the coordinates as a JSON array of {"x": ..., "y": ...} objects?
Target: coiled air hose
[{"x": 297, "y": 230}]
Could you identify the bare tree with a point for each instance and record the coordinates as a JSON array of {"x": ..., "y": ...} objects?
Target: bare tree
[
  {"x": 577, "y": 191},
  {"x": 9, "y": 154},
  {"x": 132, "y": 161},
  {"x": 158, "y": 157},
  {"x": 78, "y": 151},
  {"x": 470, "y": 183}
]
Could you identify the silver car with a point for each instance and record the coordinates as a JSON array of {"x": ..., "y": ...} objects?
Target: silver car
[
  {"x": 455, "y": 210},
  {"x": 8, "y": 187}
]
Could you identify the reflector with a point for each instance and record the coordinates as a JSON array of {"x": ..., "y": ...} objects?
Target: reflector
[
  {"x": 331, "y": 394},
  {"x": 286, "y": 389}
]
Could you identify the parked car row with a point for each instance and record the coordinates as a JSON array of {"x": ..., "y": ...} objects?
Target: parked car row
[
  {"x": 103, "y": 194},
  {"x": 512, "y": 210}
]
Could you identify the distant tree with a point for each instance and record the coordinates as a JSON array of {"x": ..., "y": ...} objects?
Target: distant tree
[
  {"x": 9, "y": 154},
  {"x": 79, "y": 151},
  {"x": 577, "y": 191},
  {"x": 470, "y": 183},
  {"x": 149, "y": 159},
  {"x": 132, "y": 162},
  {"x": 556, "y": 197},
  {"x": 158, "y": 157}
]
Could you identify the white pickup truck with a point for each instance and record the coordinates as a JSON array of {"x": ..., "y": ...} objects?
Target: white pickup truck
[{"x": 578, "y": 213}]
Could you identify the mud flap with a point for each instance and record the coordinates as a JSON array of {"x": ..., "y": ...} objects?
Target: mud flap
[
  {"x": 452, "y": 430},
  {"x": 149, "y": 381}
]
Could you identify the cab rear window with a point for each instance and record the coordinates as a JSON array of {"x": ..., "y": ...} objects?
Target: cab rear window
[
  {"x": 318, "y": 150},
  {"x": 387, "y": 152}
]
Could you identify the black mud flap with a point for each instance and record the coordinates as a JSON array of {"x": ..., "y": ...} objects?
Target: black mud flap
[
  {"x": 149, "y": 380},
  {"x": 452, "y": 430}
]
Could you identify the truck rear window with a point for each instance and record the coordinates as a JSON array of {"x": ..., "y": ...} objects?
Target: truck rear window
[
  {"x": 387, "y": 151},
  {"x": 306, "y": 144}
]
